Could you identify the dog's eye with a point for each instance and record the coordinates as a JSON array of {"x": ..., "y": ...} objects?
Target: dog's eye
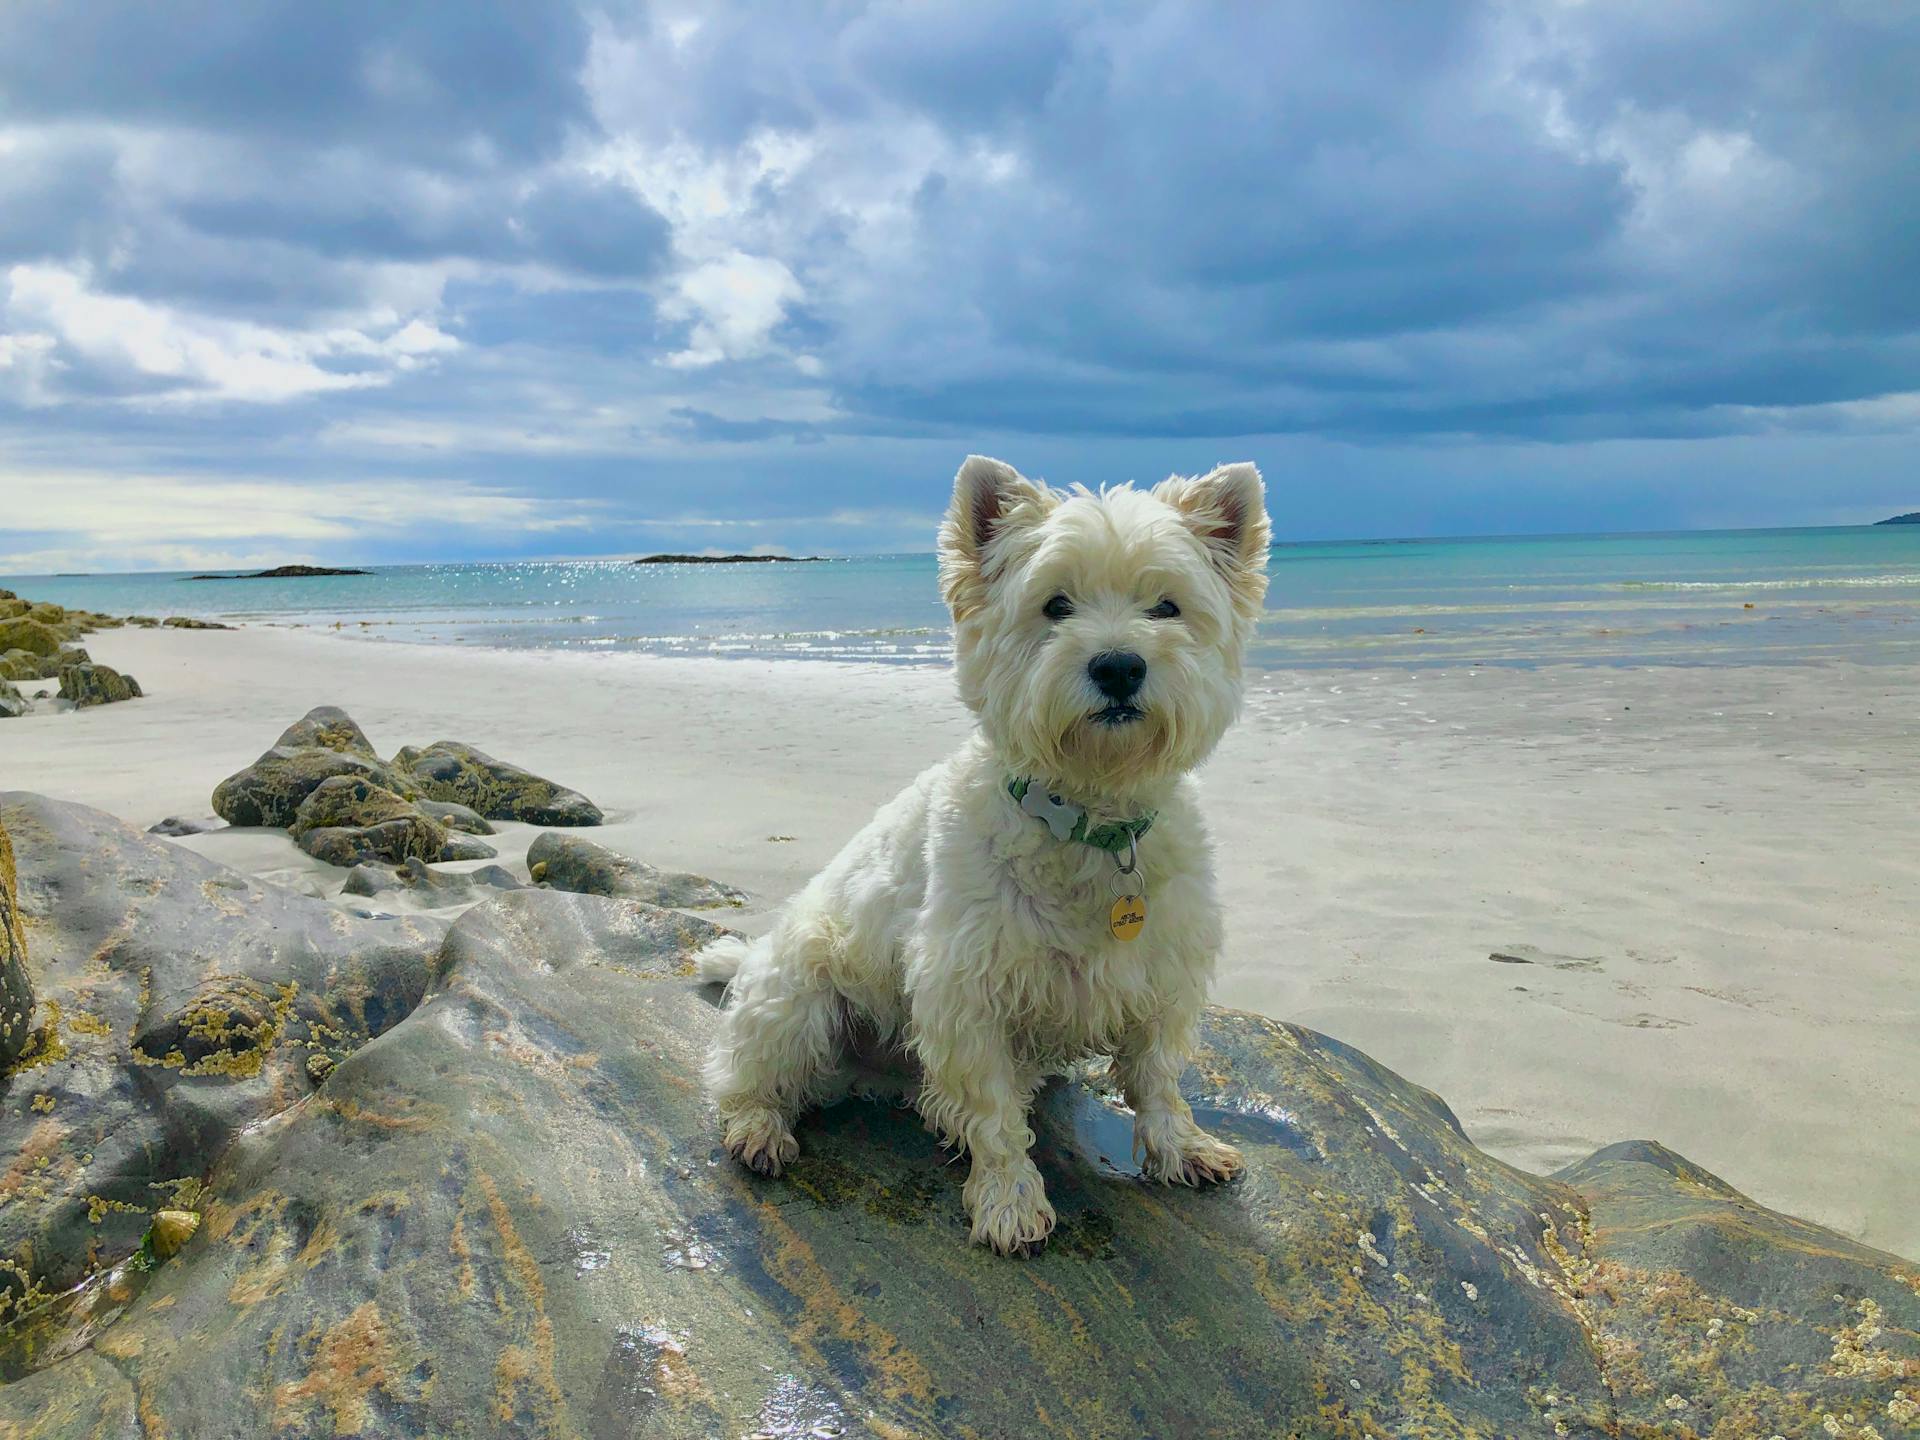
[
  {"x": 1165, "y": 610},
  {"x": 1058, "y": 608}
]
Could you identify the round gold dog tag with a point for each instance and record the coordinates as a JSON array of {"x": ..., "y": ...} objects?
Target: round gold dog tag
[{"x": 1129, "y": 917}]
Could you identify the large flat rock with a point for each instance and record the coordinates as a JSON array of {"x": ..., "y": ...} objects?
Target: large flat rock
[
  {"x": 507, "y": 1214},
  {"x": 178, "y": 1002}
]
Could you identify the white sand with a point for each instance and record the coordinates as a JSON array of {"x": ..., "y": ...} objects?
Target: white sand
[{"x": 1713, "y": 873}]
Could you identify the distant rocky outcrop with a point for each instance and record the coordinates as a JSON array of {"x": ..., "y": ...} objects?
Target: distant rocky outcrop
[
  {"x": 188, "y": 622},
  {"x": 1912, "y": 517},
  {"x": 87, "y": 684},
  {"x": 470, "y": 1186},
  {"x": 450, "y": 771},
  {"x": 571, "y": 862},
  {"x": 283, "y": 572},
  {"x": 730, "y": 560}
]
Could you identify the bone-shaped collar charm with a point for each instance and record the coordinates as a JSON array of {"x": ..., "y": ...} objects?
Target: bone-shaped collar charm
[{"x": 1060, "y": 816}]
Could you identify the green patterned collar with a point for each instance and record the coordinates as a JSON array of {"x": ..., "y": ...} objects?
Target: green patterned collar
[{"x": 1069, "y": 821}]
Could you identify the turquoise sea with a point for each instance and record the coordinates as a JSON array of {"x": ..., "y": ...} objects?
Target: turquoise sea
[{"x": 1693, "y": 598}]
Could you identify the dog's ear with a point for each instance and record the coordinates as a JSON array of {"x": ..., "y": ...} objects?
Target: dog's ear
[
  {"x": 1227, "y": 509},
  {"x": 991, "y": 500}
]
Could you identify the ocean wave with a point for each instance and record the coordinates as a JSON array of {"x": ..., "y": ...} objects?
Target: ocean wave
[{"x": 1803, "y": 582}]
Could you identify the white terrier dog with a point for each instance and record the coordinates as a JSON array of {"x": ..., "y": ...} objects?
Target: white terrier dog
[{"x": 1046, "y": 894}]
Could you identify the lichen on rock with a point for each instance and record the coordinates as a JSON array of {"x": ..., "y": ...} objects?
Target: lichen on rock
[
  {"x": 87, "y": 684},
  {"x": 452, "y": 771},
  {"x": 571, "y": 862}
]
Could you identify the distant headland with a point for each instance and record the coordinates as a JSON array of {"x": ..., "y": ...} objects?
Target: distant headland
[
  {"x": 283, "y": 572},
  {"x": 729, "y": 559},
  {"x": 1912, "y": 517}
]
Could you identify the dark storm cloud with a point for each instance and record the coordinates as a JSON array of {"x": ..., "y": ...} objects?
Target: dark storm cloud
[{"x": 629, "y": 245}]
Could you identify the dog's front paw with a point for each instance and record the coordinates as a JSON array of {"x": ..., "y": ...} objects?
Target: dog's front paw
[
  {"x": 1010, "y": 1209},
  {"x": 760, "y": 1138},
  {"x": 1187, "y": 1155}
]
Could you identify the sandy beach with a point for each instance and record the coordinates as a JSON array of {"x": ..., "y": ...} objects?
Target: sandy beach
[{"x": 1583, "y": 904}]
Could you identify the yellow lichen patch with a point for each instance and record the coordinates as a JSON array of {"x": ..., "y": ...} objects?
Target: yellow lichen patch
[
  {"x": 81, "y": 1022},
  {"x": 1854, "y": 1358},
  {"x": 462, "y": 1252},
  {"x": 351, "y": 1359},
  {"x": 900, "y": 1375},
  {"x": 44, "y": 1045},
  {"x": 43, "y": 1104},
  {"x": 99, "y": 1207},
  {"x": 527, "y": 1366}
]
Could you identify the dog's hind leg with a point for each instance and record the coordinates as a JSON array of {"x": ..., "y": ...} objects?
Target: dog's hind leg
[{"x": 779, "y": 1038}]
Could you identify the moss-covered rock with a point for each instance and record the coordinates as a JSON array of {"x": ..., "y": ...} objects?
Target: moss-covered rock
[
  {"x": 16, "y": 981},
  {"x": 12, "y": 703},
  {"x": 570, "y": 862},
  {"x": 330, "y": 728},
  {"x": 65, "y": 656},
  {"x": 271, "y": 790},
  {"x": 33, "y": 635},
  {"x": 451, "y": 771},
  {"x": 348, "y": 800},
  {"x": 508, "y": 1214},
  {"x": 21, "y": 665},
  {"x": 188, "y": 622},
  {"x": 88, "y": 684},
  {"x": 349, "y": 820},
  {"x": 454, "y": 817}
]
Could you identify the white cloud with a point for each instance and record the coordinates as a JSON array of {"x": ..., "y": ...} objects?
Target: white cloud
[
  {"x": 734, "y": 304},
  {"x": 177, "y": 356},
  {"x": 148, "y": 521}
]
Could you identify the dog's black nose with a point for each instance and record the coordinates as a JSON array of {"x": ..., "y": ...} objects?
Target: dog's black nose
[{"x": 1118, "y": 673}]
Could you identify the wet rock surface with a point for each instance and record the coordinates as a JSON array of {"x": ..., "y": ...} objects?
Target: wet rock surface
[
  {"x": 450, "y": 771},
  {"x": 12, "y": 703},
  {"x": 450, "y": 887},
  {"x": 570, "y": 862},
  {"x": 178, "y": 1001},
  {"x": 16, "y": 982},
  {"x": 506, "y": 1214}
]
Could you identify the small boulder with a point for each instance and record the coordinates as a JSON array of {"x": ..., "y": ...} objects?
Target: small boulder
[
  {"x": 350, "y": 800},
  {"x": 448, "y": 770},
  {"x": 187, "y": 622},
  {"x": 22, "y": 665},
  {"x": 88, "y": 684},
  {"x": 389, "y": 840},
  {"x": 144, "y": 622},
  {"x": 568, "y": 862},
  {"x": 348, "y": 819},
  {"x": 12, "y": 703},
  {"x": 29, "y": 633},
  {"x": 414, "y": 874},
  {"x": 177, "y": 825},
  {"x": 64, "y": 657}
]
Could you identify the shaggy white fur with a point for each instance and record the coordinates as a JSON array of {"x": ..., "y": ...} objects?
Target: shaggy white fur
[{"x": 956, "y": 931}]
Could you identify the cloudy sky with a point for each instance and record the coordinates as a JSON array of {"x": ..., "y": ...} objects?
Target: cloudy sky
[{"x": 379, "y": 282}]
